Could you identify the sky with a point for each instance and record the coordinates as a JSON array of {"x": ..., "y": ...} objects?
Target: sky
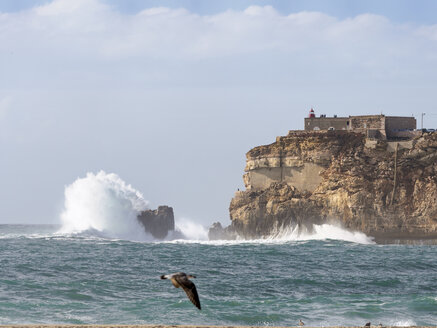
[{"x": 170, "y": 95}]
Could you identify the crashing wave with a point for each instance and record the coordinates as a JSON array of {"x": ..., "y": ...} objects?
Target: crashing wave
[
  {"x": 319, "y": 232},
  {"x": 105, "y": 204},
  {"x": 296, "y": 233}
]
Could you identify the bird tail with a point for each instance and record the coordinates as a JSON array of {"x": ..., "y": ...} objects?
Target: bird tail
[{"x": 163, "y": 277}]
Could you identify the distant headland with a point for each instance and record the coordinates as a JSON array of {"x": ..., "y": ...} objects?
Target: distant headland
[{"x": 376, "y": 174}]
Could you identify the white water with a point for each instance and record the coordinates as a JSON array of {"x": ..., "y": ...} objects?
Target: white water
[
  {"x": 320, "y": 232},
  {"x": 402, "y": 323},
  {"x": 191, "y": 230},
  {"x": 105, "y": 205},
  {"x": 198, "y": 234}
]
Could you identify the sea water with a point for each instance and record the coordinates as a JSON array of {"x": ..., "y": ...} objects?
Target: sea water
[{"x": 97, "y": 267}]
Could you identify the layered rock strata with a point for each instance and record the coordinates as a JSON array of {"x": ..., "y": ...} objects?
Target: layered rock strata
[
  {"x": 386, "y": 189},
  {"x": 158, "y": 222}
]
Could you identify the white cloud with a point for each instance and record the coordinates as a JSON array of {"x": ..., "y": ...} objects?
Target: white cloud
[
  {"x": 261, "y": 11},
  {"x": 71, "y": 44},
  {"x": 67, "y": 28}
]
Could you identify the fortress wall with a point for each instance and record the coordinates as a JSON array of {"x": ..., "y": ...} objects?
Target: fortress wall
[
  {"x": 404, "y": 134},
  {"x": 373, "y": 126},
  {"x": 367, "y": 122},
  {"x": 324, "y": 123},
  {"x": 400, "y": 122},
  {"x": 395, "y": 123}
]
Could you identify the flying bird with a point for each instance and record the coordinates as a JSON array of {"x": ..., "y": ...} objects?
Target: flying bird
[{"x": 181, "y": 279}]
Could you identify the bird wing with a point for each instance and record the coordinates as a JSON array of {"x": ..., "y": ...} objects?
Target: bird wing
[{"x": 190, "y": 289}]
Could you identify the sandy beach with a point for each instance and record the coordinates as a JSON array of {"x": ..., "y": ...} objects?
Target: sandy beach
[{"x": 181, "y": 326}]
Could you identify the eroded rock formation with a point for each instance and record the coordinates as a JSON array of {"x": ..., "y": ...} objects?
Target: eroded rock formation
[
  {"x": 158, "y": 222},
  {"x": 386, "y": 189},
  {"x": 217, "y": 232}
]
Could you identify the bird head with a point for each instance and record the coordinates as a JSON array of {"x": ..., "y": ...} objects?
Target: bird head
[{"x": 191, "y": 276}]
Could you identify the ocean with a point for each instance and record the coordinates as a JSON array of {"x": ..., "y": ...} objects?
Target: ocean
[
  {"x": 52, "y": 277},
  {"x": 98, "y": 266}
]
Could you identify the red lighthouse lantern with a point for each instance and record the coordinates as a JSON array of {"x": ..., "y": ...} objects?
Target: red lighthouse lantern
[{"x": 312, "y": 113}]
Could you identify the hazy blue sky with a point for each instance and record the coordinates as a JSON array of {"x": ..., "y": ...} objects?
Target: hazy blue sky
[
  {"x": 170, "y": 95},
  {"x": 399, "y": 11}
]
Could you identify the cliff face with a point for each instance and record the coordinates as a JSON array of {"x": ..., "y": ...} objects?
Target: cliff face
[
  {"x": 158, "y": 222},
  {"x": 387, "y": 190}
]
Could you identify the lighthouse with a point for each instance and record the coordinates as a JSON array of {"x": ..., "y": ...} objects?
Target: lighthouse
[{"x": 312, "y": 115}]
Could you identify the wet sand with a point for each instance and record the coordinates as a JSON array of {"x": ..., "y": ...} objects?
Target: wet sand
[{"x": 185, "y": 326}]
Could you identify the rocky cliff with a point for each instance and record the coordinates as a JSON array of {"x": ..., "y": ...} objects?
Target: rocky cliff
[
  {"x": 386, "y": 189},
  {"x": 158, "y": 222}
]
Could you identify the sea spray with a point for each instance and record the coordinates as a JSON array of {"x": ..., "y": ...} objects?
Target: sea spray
[
  {"x": 295, "y": 233},
  {"x": 191, "y": 230},
  {"x": 105, "y": 204},
  {"x": 319, "y": 232},
  {"x": 195, "y": 233}
]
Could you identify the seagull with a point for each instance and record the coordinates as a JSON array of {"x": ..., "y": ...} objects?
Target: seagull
[
  {"x": 301, "y": 323},
  {"x": 181, "y": 279}
]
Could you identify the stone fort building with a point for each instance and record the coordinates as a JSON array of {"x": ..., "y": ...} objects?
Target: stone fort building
[{"x": 374, "y": 126}]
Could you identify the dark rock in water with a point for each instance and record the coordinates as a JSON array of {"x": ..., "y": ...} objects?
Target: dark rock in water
[
  {"x": 217, "y": 232},
  {"x": 158, "y": 222}
]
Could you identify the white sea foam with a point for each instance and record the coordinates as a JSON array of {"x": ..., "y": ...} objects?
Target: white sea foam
[
  {"x": 191, "y": 230},
  {"x": 103, "y": 204},
  {"x": 320, "y": 232},
  {"x": 295, "y": 234},
  {"x": 402, "y": 323}
]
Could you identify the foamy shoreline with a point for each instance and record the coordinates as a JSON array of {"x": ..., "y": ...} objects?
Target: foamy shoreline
[{"x": 185, "y": 326}]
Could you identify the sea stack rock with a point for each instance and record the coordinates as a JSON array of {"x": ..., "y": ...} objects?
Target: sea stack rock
[
  {"x": 158, "y": 222},
  {"x": 217, "y": 232},
  {"x": 386, "y": 188}
]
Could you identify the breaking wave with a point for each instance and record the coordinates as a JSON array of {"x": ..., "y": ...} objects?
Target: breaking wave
[
  {"x": 299, "y": 234},
  {"x": 191, "y": 230},
  {"x": 104, "y": 205},
  {"x": 320, "y": 232},
  {"x": 403, "y": 323}
]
